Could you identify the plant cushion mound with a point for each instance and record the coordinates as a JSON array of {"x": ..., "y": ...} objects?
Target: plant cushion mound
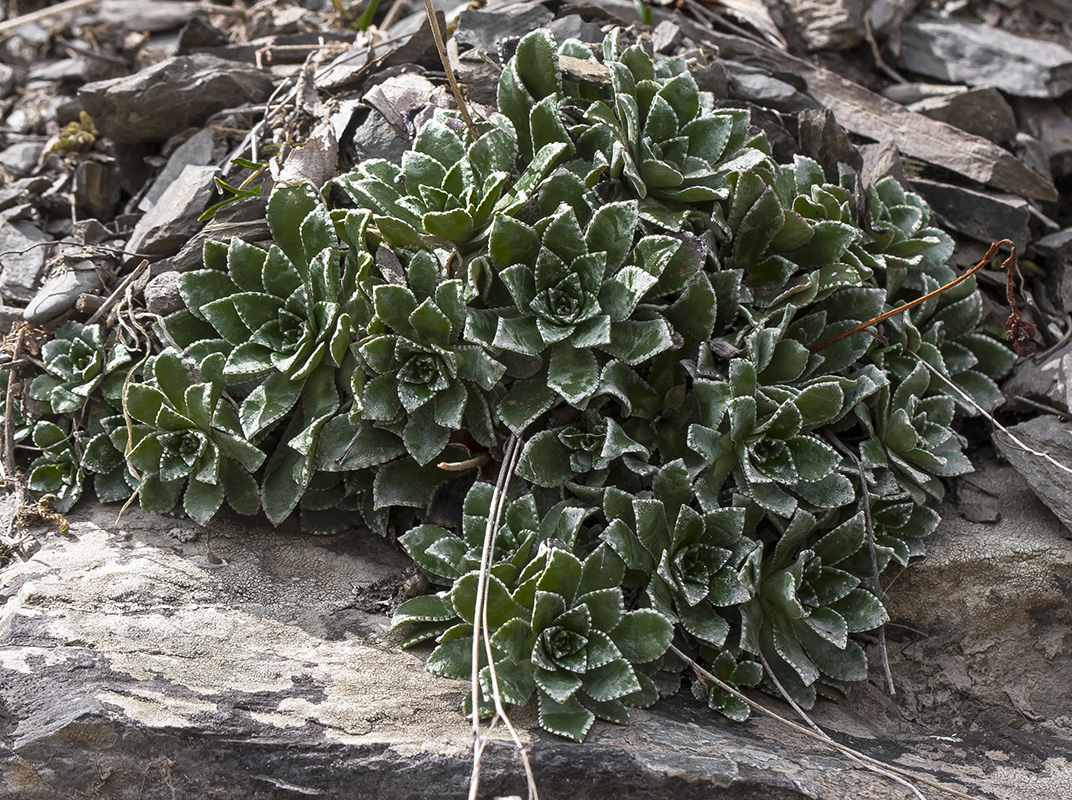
[{"x": 617, "y": 285}]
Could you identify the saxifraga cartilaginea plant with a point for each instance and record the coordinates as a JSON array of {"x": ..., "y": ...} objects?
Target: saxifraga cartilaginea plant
[{"x": 622, "y": 277}]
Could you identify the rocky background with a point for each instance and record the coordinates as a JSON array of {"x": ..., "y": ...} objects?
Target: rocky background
[{"x": 147, "y": 658}]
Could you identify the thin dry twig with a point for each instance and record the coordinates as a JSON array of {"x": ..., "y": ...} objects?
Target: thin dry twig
[
  {"x": 117, "y": 293},
  {"x": 478, "y": 460},
  {"x": 815, "y": 727},
  {"x": 708, "y": 677},
  {"x": 1013, "y": 437},
  {"x": 876, "y": 53},
  {"x": 511, "y": 454},
  {"x": 8, "y": 460},
  {"x": 43, "y": 14},
  {"x": 433, "y": 22},
  {"x": 874, "y": 554},
  {"x": 1015, "y": 326}
]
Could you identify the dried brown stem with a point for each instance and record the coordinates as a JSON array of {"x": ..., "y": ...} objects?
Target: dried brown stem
[
  {"x": 117, "y": 294},
  {"x": 433, "y": 23},
  {"x": 1022, "y": 329},
  {"x": 874, "y": 554}
]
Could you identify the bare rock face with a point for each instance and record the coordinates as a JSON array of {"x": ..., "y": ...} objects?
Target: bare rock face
[
  {"x": 981, "y": 635},
  {"x": 977, "y": 55},
  {"x": 139, "y": 661},
  {"x": 171, "y": 96},
  {"x": 827, "y": 24},
  {"x": 24, "y": 265},
  {"x": 1049, "y": 477}
]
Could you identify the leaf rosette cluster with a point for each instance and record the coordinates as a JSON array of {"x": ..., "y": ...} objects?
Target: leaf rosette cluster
[{"x": 616, "y": 282}]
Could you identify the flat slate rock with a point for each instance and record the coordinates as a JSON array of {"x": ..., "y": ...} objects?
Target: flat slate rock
[
  {"x": 826, "y": 24},
  {"x": 24, "y": 261},
  {"x": 984, "y": 216},
  {"x": 982, "y": 112},
  {"x": 957, "y": 51},
  {"x": 138, "y": 661},
  {"x": 169, "y": 97},
  {"x": 1048, "y": 435}
]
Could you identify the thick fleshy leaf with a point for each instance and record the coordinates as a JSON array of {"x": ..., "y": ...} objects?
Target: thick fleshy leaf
[
  {"x": 569, "y": 719},
  {"x": 643, "y": 635},
  {"x": 573, "y": 373}
]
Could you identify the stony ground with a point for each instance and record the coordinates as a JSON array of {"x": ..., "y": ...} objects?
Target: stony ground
[{"x": 139, "y": 661}]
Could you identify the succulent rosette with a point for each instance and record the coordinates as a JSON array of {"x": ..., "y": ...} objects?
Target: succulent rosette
[{"x": 79, "y": 360}]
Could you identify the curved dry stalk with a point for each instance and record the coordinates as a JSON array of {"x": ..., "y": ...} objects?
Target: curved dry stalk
[
  {"x": 870, "y": 528},
  {"x": 819, "y": 731},
  {"x": 1008, "y": 265},
  {"x": 7, "y": 458},
  {"x": 1013, "y": 437},
  {"x": 511, "y": 454},
  {"x": 433, "y": 23},
  {"x": 708, "y": 677}
]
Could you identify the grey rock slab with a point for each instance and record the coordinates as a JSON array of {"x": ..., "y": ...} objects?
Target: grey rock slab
[
  {"x": 1056, "y": 251},
  {"x": 377, "y": 138},
  {"x": 1046, "y": 380},
  {"x": 243, "y": 218},
  {"x": 822, "y": 138},
  {"x": 760, "y": 87},
  {"x": 315, "y": 160},
  {"x": 169, "y": 224},
  {"x": 8, "y": 77},
  {"x": 133, "y": 665},
  {"x": 171, "y": 96},
  {"x": 61, "y": 292},
  {"x": 990, "y": 603},
  {"x": 983, "y": 216},
  {"x": 1057, "y": 245},
  {"x": 198, "y": 33},
  {"x": 1048, "y": 122},
  {"x": 23, "y": 190},
  {"x": 979, "y": 635},
  {"x": 827, "y": 24},
  {"x": 162, "y": 294},
  {"x": 1052, "y": 482},
  {"x": 138, "y": 15},
  {"x": 982, "y": 112},
  {"x": 879, "y": 160},
  {"x": 958, "y": 51},
  {"x": 97, "y": 187},
  {"x": 18, "y": 159},
  {"x": 1033, "y": 155},
  {"x": 23, "y": 263},
  {"x": 70, "y": 70},
  {"x": 573, "y": 26},
  {"x": 863, "y": 112},
  {"x": 203, "y": 148},
  {"x": 665, "y": 37},
  {"x": 484, "y": 29}
]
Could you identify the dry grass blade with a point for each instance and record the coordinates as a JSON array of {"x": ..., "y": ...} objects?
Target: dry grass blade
[
  {"x": 819, "y": 731},
  {"x": 1012, "y": 437},
  {"x": 511, "y": 454},
  {"x": 756, "y": 14},
  {"x": 437, "y": 34},
  {"x": 8, "y": 456},
  {"x": 45, "y": 13},
  {"x": 707, "y": 677},
  {"x": 870, "y": 528}
]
